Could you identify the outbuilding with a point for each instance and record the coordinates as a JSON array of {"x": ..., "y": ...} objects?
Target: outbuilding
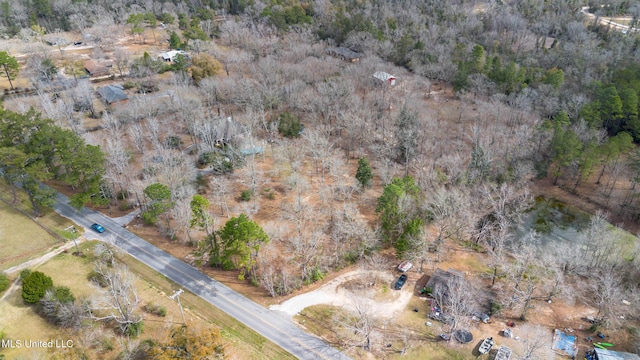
[
  {"x": 171, "y": 55},
  {"x": 344, "y": 53},
  {"x": 95, "y": 68},
  {"x": 604, "y": 354},
  {"x": 385, "y": 77}
]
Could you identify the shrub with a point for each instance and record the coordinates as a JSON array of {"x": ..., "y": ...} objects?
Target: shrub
[
  {"x": 289, "y": 125},
  {"x": 106, "y": 343},
  {"x": 315, "y": 274},
  {"x": 34, "y": 286},
  {"x": 220, "y": 164},
  {"x": 64, "y": 294},
  {"x": 125, "y": 205},
  {"x": 129, "y": 85},
  {"x": 24, "y": 273},
  {"x": 157, "y": 310},
  {"x": 4, "y": 282},
  {"x": 97, "y": 278},
  {"x": 173, "y": 142},
  {"x": 269, "y": 194},
  {"x": 133, "y": 329},
  {"x": 246, "y": 195},
  {"x": 495, "y": 308}
]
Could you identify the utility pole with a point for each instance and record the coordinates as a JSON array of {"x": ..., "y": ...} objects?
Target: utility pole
[
  {"x": 74, "y": 236},
  {"x": 176, "y": 295}
]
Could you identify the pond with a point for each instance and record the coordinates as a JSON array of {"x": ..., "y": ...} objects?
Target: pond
[{"x": 556, "y": 221}]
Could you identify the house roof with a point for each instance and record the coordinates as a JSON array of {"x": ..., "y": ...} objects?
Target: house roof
[
  {"x": 95, "y": 68},
  {"x": 169, "y": 55},
  {"x": 252, "y": 151},
  {"x": 344, "y": 52},
  {"x": 381, "y": 75},
  {"x": 112, "y": 93},
  {"x": 438, "y": 282},
  {"x": 604, "y": 354}
]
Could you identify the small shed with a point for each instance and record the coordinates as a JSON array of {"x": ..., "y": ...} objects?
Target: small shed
[
  {"x": 344, "y": 53},
  {"x": 95, "y": 68},
  {"x": 565, "y": 344},
  {"x": 604, "y": 354},
  {"x": 252, "y": 151},
  {"x": 112, "y": 94},
  {"x": 385, "y": 77}
]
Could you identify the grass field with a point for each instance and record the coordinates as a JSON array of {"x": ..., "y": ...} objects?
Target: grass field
[
  {"x": 20, "y": 237},
  {"x": 19, "y": 321},
  {"x": 317, "y": 320}
]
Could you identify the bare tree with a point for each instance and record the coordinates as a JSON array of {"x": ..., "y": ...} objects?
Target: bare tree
[
  {"x": 457, "y": 298},
  {"x": 121, "y": 61},
  {"x": 604, "y": 291},
  {"x": 449, "y": 212},
  {"x": 118, "y": 300},
  {"x": 350, "y": 235},
  {"x": 358, "y": 326},
  {"x": 319, "y": 147},
  {"x": 535, "y": 342},
  {"x": 307, "y": 250}
]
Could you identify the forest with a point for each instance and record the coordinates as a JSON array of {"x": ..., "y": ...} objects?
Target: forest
[{"x": 261, "y": 154}]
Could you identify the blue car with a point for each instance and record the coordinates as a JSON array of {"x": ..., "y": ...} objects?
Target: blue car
[
  {"x": 400, "y": 282},
  {"x": 97, "y": 227}
]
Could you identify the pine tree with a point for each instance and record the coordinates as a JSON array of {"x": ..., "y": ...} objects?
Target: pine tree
[{"x": 364, "y": 174}]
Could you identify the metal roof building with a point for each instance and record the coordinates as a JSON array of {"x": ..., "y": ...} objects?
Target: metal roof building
[
  {"x": 112, "y": 93},
  {"x": 603, "y": 354}
]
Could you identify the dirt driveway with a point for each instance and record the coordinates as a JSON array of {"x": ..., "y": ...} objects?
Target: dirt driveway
[{"x": 351, "y": 289}]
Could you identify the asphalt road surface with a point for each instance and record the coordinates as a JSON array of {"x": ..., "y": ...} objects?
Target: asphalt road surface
[{"x": 272, "y": 325}]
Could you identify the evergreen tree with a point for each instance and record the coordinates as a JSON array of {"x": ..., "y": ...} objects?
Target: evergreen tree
[
  {"x": 241, "y": 238},
  {"x": 34, "y": 286},
  {"x": 364, "y": 174},
  {"x": 9, "y": 67},
  {"x": 400, "y": 220}
]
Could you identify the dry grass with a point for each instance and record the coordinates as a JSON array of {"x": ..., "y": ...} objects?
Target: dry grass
[
  {"x": 20, "y": 237},
  {"x": 21, "y": 322},
  {"x": 316, "y": 320},
  {"x": 247, "y": 344}
]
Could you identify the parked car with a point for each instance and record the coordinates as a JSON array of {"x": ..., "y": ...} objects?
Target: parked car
[
  {"x": 438, "y": 315},
  {"x": 400, "y": 282},
  {"x": 405, "y": 266},
  {"x": 97, "y": 227}
]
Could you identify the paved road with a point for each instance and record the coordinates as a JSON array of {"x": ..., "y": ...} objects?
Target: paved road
[{"x": 270, "y": 324}]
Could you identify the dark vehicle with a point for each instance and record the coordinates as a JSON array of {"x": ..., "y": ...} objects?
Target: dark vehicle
[
  {"x": 77, "y": 43},
  {"x": 97, "y": 227},
  {"x": 438, "y": 315},
  {"x": 400, "y": 282}
]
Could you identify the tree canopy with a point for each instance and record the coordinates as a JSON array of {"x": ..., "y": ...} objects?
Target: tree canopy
[
  {"x": 400, "y": 220},
  {"x": 34, "y": 286},
  {"x": 33, "y": 149},
  {"x": 241, "y": 240},
  {"x": 9, "y": 67}
]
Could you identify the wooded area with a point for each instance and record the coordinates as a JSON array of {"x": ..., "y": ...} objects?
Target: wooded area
[{"x": 241, "y": 135}]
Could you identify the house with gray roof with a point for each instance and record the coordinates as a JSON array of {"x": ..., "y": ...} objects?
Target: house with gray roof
[{"x": 112, "y": 93}]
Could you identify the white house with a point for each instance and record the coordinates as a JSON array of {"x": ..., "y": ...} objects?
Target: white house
[
  {"x": 385, "y": 77},
  {"x": 170, "y": 55}
]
